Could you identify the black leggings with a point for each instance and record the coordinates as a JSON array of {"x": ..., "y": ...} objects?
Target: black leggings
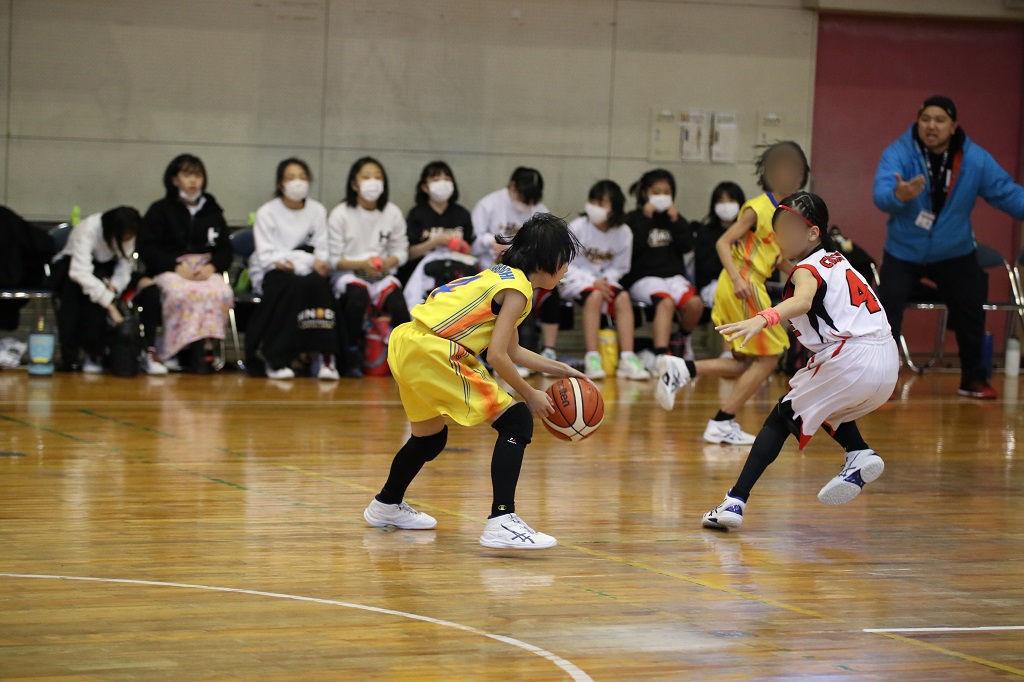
[{"x": 353, "y": 305}]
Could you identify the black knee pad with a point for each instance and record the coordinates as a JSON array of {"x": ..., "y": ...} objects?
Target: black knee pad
[
  {"x": 783, "y": 419},
  {"x": 517, "y": 422},
  {"x": 431, "y": 446}
]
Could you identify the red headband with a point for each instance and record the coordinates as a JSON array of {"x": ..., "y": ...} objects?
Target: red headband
[{"x": 798, "y": 215}]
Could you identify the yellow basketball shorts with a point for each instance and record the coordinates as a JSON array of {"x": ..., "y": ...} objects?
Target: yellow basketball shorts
[
  {"x": 728, "y": 309},
  {"x": 436, "y": 376}
]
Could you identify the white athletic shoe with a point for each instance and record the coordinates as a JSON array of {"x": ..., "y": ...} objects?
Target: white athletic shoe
[
  {"x": 523, "y": 371},
  {"x": 727, "y": 433},
  {"x": 630, "y": 367},
  {"x": 727, "y": 515},
  {"x": 649, "y": 360},
  {"x": 173, "y": 364},
  {"x": 152, "y": 366},
  {"x": 672, "y": 376},
  {"x": 327, "y": 370},
  {"x": 511, "y": 532},
  {"x": 401, "y": 515},
  {"x": 592, "y": 366},
  {"x": 549, "y": 354},
  {"x": 283, "y": 373},
  {"x": 92, "y": 366},
  {"x": 862, "y": 466}
]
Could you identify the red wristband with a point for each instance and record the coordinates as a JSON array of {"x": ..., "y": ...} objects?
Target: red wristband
[{"x": 771, "y": 317}]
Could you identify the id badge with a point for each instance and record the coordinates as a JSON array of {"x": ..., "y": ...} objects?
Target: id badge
[{"x": 925, "y": 220}]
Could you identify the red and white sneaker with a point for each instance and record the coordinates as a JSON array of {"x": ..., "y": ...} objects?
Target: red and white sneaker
[{"x": 979, "y": 390}]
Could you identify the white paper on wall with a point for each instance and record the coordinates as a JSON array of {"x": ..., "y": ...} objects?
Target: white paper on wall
[
  {"x": 694, "y": 134},
  {"x": 724, "y": 137}
]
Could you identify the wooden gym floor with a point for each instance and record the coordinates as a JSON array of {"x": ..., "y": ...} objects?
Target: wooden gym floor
[{"x": 199, "y": 528}]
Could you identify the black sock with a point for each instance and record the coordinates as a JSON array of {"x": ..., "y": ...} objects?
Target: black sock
[
  {"x": 848, "y": 435},
  {"x": 661, "y": 350},
  {"x": 763, "y": 452},
  {"x": 416, "y": 452},
  {"x": 723, "y": 416},
  {"x": 515, "y": 432},
  {"x": 691, "y": 367}
]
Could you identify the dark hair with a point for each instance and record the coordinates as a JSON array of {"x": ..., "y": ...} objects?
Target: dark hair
[
  {"x": 813, "y": 209},
  {"x": 722, "y": 189},
  {"x": 640, "y": 188},
  {"x": 611, "y": 190},
  {"x": 352, "y": 195},
  {"x": 120, "y": 224},
  {"x": 544, "y": 243},
  {"x": 529, "y": 184},
  {"x": 432, "y": 169},
  {"x": 182, "y": 162},
  {"x": 761, "y": 165},
  {"x": 281, "y": 167}
]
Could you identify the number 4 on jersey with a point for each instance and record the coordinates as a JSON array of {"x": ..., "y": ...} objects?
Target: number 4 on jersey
[{"x": 861, "y": 293}]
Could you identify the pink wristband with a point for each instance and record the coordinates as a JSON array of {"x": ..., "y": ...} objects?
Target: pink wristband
[{"x": 771, "y": 317}]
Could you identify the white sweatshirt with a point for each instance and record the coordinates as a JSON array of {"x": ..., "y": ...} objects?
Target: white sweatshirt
[
  {"x": 605, "y": 254},
  {"x": 85, "y": 247},
  {"x": 280, "y": 232},
  {"x": 496, "y": 215},
  {"x": 353, "y": 233}
]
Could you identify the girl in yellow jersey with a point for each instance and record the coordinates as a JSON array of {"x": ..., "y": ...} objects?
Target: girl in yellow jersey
[
  {"x": 434, "y": 361},
  {"x": 749, "y": 255}
]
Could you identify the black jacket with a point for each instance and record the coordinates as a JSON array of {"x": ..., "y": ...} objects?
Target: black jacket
[
  {"x": 658, "y": 246},
  {"x": 707, "y": 264},
  {"x": 169, "y": 231}
]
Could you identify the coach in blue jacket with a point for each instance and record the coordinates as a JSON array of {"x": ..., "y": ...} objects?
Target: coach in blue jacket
[{"x": 928, "y": 181}]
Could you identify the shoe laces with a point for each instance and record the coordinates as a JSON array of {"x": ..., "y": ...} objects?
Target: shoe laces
[
  {"x": 515, "y": 520},
  {"x": 404, "y": 506}
]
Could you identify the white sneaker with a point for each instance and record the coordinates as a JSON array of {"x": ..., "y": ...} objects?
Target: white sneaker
[
  {"x": 862, "y": 466},
  {"x": 11, "y": 350},
  {"x": 152, "y": 366},
  {"x": 672, "y": 376},
  {"x": 630, "y": 367},
  {"x": 92, "y": 366},
  {"x": 327, "y": 371},
  {"x": 283, "y": 373},
  {"x": 173, "y": 364},
  {"x": 649, "y": 360},
  {"x": 727, "y": 515},
  {"x": 511, "y": 532},
  {"x": 688, "y": 348},
  {"x": 592, "y": 366},
  {"x": 727, "y": 433},
  {"x": 523, "y": 371},
  {"x": 400, "y": 515}
]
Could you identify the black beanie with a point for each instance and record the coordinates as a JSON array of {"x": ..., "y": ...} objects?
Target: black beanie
[{"x": 944, "y": 103}]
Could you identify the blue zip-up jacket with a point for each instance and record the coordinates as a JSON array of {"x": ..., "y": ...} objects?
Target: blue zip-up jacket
[{"x": 952, "y": 235}]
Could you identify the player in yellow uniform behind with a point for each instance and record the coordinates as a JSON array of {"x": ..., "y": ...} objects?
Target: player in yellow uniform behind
[
  {"x": 750, "y": 255},
  {"x": 434, "y": 361}
]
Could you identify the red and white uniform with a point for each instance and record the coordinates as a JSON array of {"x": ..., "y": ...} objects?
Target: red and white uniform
[{"x": 855, "y": 363}]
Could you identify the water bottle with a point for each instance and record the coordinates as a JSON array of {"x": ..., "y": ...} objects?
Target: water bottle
[
  {"x": 41, "y": 343},
  {"x": 608, "y": 347},
  {"x": 1013, "y": 357},
  {"x": 986, "y": 355}
]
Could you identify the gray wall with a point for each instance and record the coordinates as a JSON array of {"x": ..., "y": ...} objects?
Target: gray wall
[{"x": 99, "y": 94}]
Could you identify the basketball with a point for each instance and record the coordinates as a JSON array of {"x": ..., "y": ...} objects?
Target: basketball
[{"x": 579, "y": 409}]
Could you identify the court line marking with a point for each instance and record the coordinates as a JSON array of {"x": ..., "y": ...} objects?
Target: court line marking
[
  {"x": 571, "y": 669},
  {"x": 980, "y": 628},
  {"x": 628, "y": 562}
]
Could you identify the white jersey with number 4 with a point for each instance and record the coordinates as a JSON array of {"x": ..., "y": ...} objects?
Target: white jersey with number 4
[{"x": 844, "y": 306}]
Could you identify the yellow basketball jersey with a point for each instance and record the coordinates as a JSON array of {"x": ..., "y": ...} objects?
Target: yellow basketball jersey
[
  {"x": 757, "y": 254},
  {"x": 460, "y": 311}
]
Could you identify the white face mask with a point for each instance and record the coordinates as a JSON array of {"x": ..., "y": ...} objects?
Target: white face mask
[
  {"x": 370, "y": 190},
  {"x": 727, "y": 211},
  {"x": 296, "y": 190},
  {"x": 597, "y": 214},
  {"x": 190, "y": 198},
  {"x": 440, "y": 190},
  {"x": 660, "y": 202},
  {"x": 520, "y": 207}
]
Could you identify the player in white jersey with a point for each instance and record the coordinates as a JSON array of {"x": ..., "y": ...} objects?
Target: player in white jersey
[{"x": 853, "y": 371}]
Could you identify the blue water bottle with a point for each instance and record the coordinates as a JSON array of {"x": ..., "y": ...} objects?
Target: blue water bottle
[
  {"x": 41, "y": 344},
  {"x": 986, "y": 355}
]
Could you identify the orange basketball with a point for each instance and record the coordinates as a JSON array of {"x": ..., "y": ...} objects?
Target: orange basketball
[{"x": 579, "y": 409}]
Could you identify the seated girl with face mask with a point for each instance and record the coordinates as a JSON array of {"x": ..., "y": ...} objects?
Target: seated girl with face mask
[
  {"x": 502, "y": 212},
  {"x": 661, "y": 237},
  {"x": 289, "y": 270},
  {"x": 726, "y": 199},
  {"x": 439, "y": 229},
  {"x": 367, "y": 243}
]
